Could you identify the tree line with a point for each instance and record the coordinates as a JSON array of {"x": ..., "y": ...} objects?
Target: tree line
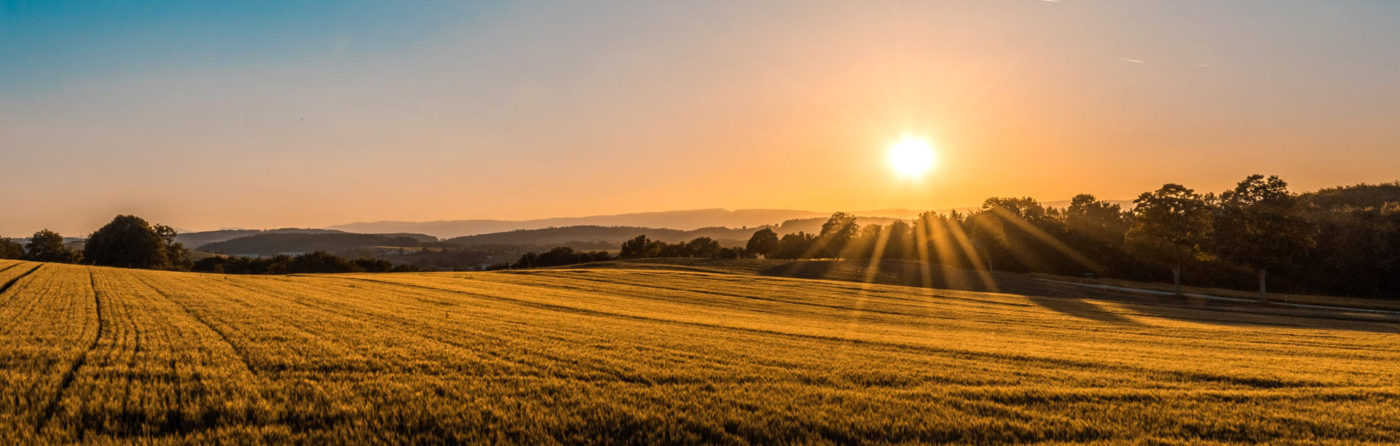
[
  {"x": 129, "y": 241},
  {"x": 1256, "y": 229},
  {"x": 314, "y": 262},
  {"x": 638, "y": 247},
  {"x": 1336, "y": 241}
]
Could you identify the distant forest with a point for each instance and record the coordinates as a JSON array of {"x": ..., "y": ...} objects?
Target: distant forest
[{"x": 1343, "y": 241}]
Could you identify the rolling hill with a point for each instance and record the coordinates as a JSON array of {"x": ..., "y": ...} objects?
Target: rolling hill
[
  {"x": 599, "y": 237},
  {"x": 679, "y": 220},
  {"x": 664, "y": 355},
  {"x": 290, "y": 243}
]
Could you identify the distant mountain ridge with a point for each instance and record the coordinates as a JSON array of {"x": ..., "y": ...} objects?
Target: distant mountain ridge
[{"x": 685, "y": 220}]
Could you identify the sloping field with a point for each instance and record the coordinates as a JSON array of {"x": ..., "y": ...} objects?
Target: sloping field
[{"x": 626, "y": 355}]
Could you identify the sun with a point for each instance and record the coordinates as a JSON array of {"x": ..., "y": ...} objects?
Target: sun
[{"x": 911, "y": 157}]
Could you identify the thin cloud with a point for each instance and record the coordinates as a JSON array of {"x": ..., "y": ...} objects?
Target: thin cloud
[{"x": 1131, "y": 60}]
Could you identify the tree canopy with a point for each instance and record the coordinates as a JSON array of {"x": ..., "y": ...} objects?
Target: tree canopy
[{"x": 47, "y": 246}]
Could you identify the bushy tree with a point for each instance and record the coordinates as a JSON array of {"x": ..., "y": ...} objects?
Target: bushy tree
[
  {"x": 836, "y": 232},
  {"x": 1096, "y": 229},
  {"x": 1171, "y": 228},
  {"x": 703, "y": 247},
  {"x": 987, "y": 233},
  {"x": 1260, "y": 224},
  {"x": 47, "y": 246},
  {"x": 319, "y": 262},
  {"x": 639, "y": 248},
  {"x": 1098, "y": 220},
  {"x": 763, "y": 242},
  {"x": 733, "y": 253},
  {"x": 558, "y": 256},
  {"x": 10, "y": 249},
  {"x": 899, "y": 241},
  {"x": 127, "y": 242},
  {"x": 796, "y": 245},
  {"x": 176, "y": 256}
]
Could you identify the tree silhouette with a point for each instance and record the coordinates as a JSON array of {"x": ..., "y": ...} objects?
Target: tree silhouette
[
  {"x": 703, "y": 247},
  {"x": 127, "y": 242},
  {"x": 639, "y": 247},
  {"x": 1260, "y": 224},
  {"x": 763, "y": 242},
  {"x": 1096, "y": 228},
  {"x": 176, "y": 256},
  {"x": 10, "y": 249},
  {"x": 795, "y": 245},
  {"x": 899, "y": 241},
  {"x": 988, "y": 235},
  {"x": 1171, "y": 228},
  {"x": 47, "y": 246},
  {"x": 838, "y": 230}
]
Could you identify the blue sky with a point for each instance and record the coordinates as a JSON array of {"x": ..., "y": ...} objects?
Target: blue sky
[{"x": 267, "y": 114}]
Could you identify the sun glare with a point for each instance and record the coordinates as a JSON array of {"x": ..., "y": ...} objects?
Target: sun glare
[{"x": 911, "y": 157}]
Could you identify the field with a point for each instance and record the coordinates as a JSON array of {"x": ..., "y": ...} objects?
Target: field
[{"x": 649, "y": 355}]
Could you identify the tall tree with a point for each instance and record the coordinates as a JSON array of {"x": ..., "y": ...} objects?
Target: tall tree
[
  {"x": 838, "y": 230},
  {"x": 10, "y": 249},
  {"x": 47, "y": 246},
  {"x": 176, "y": 255},
  {"x": 899, "y": 241},
  {"x": 1260, "y": 224},
  {"x": 1171, "y": 227},
  {"x": 988, "y": 235},
  {"x": 703, "y": 247},
  {"x": 795, "y": 245},
  {"x": 1096, "y": 228},
  {"x": 639, "y": 247},
  {"x": 763, "y": 242},
  {"x": 1098, "y": 220},
  {"x": 127, "y": 242}
]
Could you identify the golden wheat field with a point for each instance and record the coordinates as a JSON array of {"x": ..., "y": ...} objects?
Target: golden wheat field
[{"x": 661, "y": 356}]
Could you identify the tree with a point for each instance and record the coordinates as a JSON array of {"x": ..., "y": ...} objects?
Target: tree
[
  {"x": 1260, "y": 224},
  {"x": 10, "y": 250},
  {"x": 793, "y": 246},
  {"x": 1171, "y": 227},
  {"x": 763, "y": 242},
  {"x": 703, "y": 247},
  {"x": 127, "y": 242},
  {"x": 639, "y": 247},
  {"x": 319, "y": 262},
  {"x": 1098, "y": 220},
  {"x": 987, "y": 234},
  {"x": 47, "y": 246},
  {"x": 176, "y": 255},
  {"x": 838, "y": 230},
  {"x": 899, "y": 241},
  {"x": 1096, "y": 228}
]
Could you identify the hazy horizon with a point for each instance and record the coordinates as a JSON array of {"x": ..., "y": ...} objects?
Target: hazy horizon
[{"x": 312, "y": 114}]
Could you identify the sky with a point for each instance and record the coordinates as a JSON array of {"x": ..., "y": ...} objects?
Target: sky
[{"x": 262, "y": 114}]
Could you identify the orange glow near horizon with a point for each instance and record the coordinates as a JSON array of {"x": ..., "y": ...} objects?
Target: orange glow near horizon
[{"x": 526, "y": 111}]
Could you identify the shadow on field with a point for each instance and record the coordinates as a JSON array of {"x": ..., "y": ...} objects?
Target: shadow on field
[
  {"x": 1069, "y": 299},
  {"x": 1062, "y": 297},
  {"x": 1081, "y": 309}
]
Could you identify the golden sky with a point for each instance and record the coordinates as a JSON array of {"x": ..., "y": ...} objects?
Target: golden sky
[{"x": 310, "y": 114}]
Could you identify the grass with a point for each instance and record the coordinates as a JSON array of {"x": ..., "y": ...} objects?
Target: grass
[
  {"x": 1310, "y": 299},
  {"x": 644, "y": 354}
]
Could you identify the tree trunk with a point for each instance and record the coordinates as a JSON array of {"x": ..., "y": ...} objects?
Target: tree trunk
[
  {"x": 1263, "y": 294},
  {"x": 1176, "y": 280}
]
